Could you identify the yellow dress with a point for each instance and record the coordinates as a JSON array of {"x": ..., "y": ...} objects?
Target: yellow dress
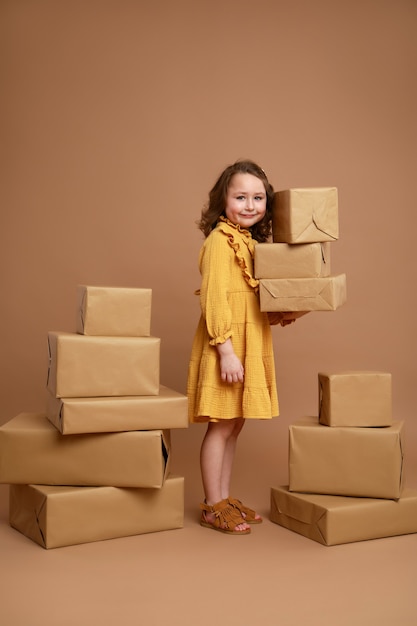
[{"x": 230, "y": 308}]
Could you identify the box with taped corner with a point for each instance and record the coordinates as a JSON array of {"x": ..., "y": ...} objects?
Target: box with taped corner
[
  {"x": 113, "y": 311},
  {"x": 169, "y": 409},
  {"x": 56, "y": 516},
  {"x": 305, "y": 215},
  {"x": 355, "y": 398},
  {"x": 302, "y": 294},
  {"x": 332, "y": 520},
  {"x": 33, "y": 451},
  {"x": 84, "y": 366}
]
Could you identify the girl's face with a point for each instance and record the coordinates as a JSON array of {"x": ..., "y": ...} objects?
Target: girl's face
[{"x": 245, "y": 200}]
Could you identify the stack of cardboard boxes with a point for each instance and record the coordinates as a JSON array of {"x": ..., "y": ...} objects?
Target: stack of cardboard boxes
[
  {"x": 294, "y": 270},
  {"x": 345, "y": 468},
  {"x": 346, "y": 479},
  {"x": 96, "y": 465}
]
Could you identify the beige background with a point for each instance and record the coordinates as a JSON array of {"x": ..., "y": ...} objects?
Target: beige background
[{"x": 117, "y": 116}]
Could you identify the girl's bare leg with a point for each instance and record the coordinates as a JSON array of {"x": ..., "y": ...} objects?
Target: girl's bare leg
[
  {"x": 228, "y": 458},
  {"x": 216, "y": 458},
  {"x": 228, "y": 461}
]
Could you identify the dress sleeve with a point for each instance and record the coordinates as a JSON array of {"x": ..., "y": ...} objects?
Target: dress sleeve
[{"x": 216, "y": 260}]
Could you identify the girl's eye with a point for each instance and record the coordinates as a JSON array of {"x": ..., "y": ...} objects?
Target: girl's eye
[{"x": 257, "y": 198}]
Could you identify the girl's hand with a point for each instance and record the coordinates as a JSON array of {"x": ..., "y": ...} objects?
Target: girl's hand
[
  {"x": 231, "y": 368},
  {"x": 274, "y": 317},
  {"x": 285, "y": 318}
]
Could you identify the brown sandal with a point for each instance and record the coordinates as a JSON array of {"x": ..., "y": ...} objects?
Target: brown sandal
[
  {"x": 226, "y": 520},
  {"x": 248, "y": 514}
]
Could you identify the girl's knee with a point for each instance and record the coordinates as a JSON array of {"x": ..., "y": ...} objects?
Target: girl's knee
[
  {"x": 226, "y": 428},
  {"x": 236, "y": 426},
  {"x": 239, "y": 423}
]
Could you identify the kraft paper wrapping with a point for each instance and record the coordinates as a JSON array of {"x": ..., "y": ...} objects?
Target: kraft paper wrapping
[
  {"x": 305, "y": 215},
  {"x": 333, "y": 520},
  {"x": 302, "y": 294},
  {"x": 100, "y": 415},
  {"x": 355, "y": 399},
  {"x": 33, "y": 451},
  {"x": 62, "y": 516},
  {"x": 81, "y": 366},
  {"x": 284, "y": 260},
  {"x": 362, "y": 462},
  {"x": 113, "y": 311}
]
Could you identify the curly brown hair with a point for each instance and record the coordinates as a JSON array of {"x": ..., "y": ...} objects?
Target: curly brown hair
[{"x": 217, "y": 200}]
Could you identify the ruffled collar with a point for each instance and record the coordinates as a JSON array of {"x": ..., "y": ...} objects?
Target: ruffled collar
[
  {"x": 235, "y": 243},
  {"x": 243, "y": 231}
]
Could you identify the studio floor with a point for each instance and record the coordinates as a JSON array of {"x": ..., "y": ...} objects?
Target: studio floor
[{"x": 193, "y": 575}]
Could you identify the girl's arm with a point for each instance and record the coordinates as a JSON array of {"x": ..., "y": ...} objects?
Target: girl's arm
[
  {"x": 231, "y": 369},
  {"x": 216, "y": 260}
]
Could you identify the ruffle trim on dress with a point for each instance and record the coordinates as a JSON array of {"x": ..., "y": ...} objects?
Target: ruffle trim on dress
[
  {"x": 233, "y": 400},
  {"x": 235, "y": 245},
  {"x": 220, "y": 339}
]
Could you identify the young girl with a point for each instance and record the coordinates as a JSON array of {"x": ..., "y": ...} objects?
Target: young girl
[{"x": 231, "y": 372}]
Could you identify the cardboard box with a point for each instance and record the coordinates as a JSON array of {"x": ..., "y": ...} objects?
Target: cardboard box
[
  {"x": 305, "y": 215},
  {"x": 33, "y": 451},
  {"x": 362, "y": 462},
  {"x": 81, "y": 366},
  {"x": 99, "y": 415},
  {"x": 285, "y": 260},
  {"x": 355, "y": 398},
  {"x": 333, "y": 520},
  {"x": 62, "y": 516},
  {"x": 113, "y": 311},
  {"x": 302, "y": 294}
]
